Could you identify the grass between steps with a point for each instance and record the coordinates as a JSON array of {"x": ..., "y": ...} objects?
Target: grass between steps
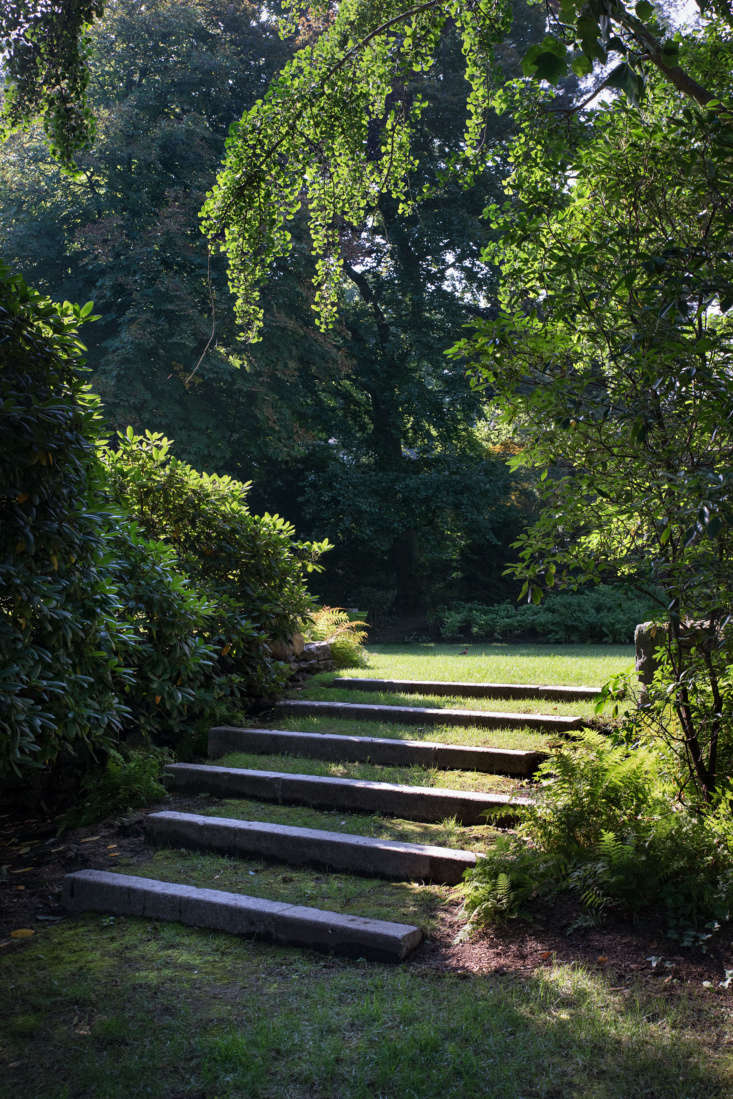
[
  {"x": 443, "y": 734},
  {"x": 112, "y": 1008},
  {"x": 553, "y": 665},
  {"x": 446, "y": 833},
  {"x": 104, "y": 1008},
  {"x": 372, "y": 772},
  {"x": 320, "y": 691},
  {"x": 335, "y": 891}
]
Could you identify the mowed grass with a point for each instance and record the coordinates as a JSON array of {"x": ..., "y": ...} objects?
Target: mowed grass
[
  {"x": 565, "y": 665},
  {"x": 104, "y": 1008},
  {"x": 100, "y": 1007},
  {"x": 321, "y": 691},
  {"x": 370, "y": 772},
  {"x": 374, "y": 898},
  {"x": 443, "y": 733},
  {"x": 446, "y": 833}
]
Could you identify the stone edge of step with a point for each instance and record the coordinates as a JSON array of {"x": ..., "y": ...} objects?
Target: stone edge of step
[
  {"x": 520, "y": 761},
  {"x": 537, "y": 691},
  {"x": 289, "y": 924},
  {"x": 428, "y": 713},
  {"x": 342, "y": 851},
  {"x": 332, "y": 780}
]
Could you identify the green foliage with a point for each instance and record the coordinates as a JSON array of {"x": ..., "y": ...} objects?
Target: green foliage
[
  {"x": 606, "y": 828},
  {"x": 44, "y": 52},
  {"x": 129, "y": 778},
  {"x": 611, "y": 358},
  {"x": 336, "y": 127},
  {"x": 602, "y": 614},
  {"x": 60, "y": 616},
  {"x": 113, "y": 630},
  {"x": 688, "y": 708},
  {"x": 365, "y": 435},
  {"x": 172, "y": 692},
  {"x": 249, "y": 568},
  {"x": 345, "y": 634},
  {"x": 166, "y": 80},
  {"x": 337, "y": 124}
]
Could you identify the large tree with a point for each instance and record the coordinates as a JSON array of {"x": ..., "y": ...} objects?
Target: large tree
[
  {"x": 613, "y": 353},
  {"x": 366, "y": 433},
  {"x": 613, "y": 349},
  {"x": 310, "y": 141}
]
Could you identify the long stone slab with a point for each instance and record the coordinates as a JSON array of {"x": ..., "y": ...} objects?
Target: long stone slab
[
  {"x": 470, "y": 690},
  {"x": 424, "y": 715},
  {"x": 385, "y": 750},
  {"x": 428, "y": 803},
  {"x": 290, "y": 924},
  {"x": 336, "y": 850}
]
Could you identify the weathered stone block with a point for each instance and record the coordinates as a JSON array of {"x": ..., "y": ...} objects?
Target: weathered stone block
[{"x": 127, "y": 895}]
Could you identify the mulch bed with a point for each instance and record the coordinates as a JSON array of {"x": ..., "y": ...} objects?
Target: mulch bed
[{"x": 34, "y": 859}]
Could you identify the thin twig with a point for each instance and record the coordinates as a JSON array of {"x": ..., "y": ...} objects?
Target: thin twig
[{"x": 212, "y": 302}]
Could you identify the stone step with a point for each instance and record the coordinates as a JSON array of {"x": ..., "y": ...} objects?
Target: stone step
[
  {"x": 336, "y": 850},
  {"x": 427, "y": 803},
  {"x": 289, "y": 924},
  {"x": 470, "y": 690},
  {"x": 392, "y": 752},
  {"x": 421, "y": 715}
]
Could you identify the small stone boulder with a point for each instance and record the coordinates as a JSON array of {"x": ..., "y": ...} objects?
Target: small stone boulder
[
  {"x": 288, "y": 649},
  {"x": 648, "y": 636},
  {"x": 701, "y": 634}
]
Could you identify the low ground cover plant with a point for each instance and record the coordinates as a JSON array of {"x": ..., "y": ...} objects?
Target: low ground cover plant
[
  {"x": 608, "y": 828},
  {"x": 602, "y": 614}
]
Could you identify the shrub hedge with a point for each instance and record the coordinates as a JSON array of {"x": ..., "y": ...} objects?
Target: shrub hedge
[
  {"x": 60, "y": 618},
  {"x": 249, "y": 568},
  {"x": 138, "y": 596},
  {"x": 605, "y": 614}
]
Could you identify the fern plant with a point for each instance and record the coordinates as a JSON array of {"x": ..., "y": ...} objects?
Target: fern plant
[
  {"x": 345, "y": 635},
  {"x": 607, "y": 829}
]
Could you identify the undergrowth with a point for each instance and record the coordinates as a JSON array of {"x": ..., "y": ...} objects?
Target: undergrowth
[{"x": 606, "y": 829}]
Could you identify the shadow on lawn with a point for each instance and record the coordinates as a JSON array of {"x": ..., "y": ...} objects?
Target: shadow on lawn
[{"x": 108, "y": 1008}]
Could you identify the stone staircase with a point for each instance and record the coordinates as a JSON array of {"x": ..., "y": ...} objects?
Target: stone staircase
[{"x": 295, "y": 924}]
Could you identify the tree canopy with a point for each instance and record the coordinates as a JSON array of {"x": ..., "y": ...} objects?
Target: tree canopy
[
  {"x": 335, "y": 130},
  {"x": 43, "y": 59},
  {"x": 366, "y": 433}
]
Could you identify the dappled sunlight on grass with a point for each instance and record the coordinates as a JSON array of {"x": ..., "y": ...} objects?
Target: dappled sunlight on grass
[
  {"x": 115, "y": 1008},
  {"x": 405, "y": 902},
  {"x": 447, "y": 833},
  {"x": 444, "y": 734},
  {"x": 321, "y": 692},
  {"x": 371, "y": 772}
]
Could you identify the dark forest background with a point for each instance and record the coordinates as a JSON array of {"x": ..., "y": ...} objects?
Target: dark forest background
[{"x": 368, "y": 435}]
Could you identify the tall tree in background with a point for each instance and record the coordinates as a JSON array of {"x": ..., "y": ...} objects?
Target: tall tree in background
[
  {"x": 409, "y": 482},
  {"x": 166, "y": 82},
  {"x": 367, "y": 434}
]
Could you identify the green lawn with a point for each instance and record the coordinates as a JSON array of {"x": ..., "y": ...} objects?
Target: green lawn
[
  {"x": 101, "y": 1008},
  {"x": 445, "y": 734},
  {"x": 106, "y": 1008},
  {"x": 322, "y": 692},
  {"x": 370, "y": 772},
  {"x": 586, "y": 665},
  {"x": 446, "y": 833}
]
